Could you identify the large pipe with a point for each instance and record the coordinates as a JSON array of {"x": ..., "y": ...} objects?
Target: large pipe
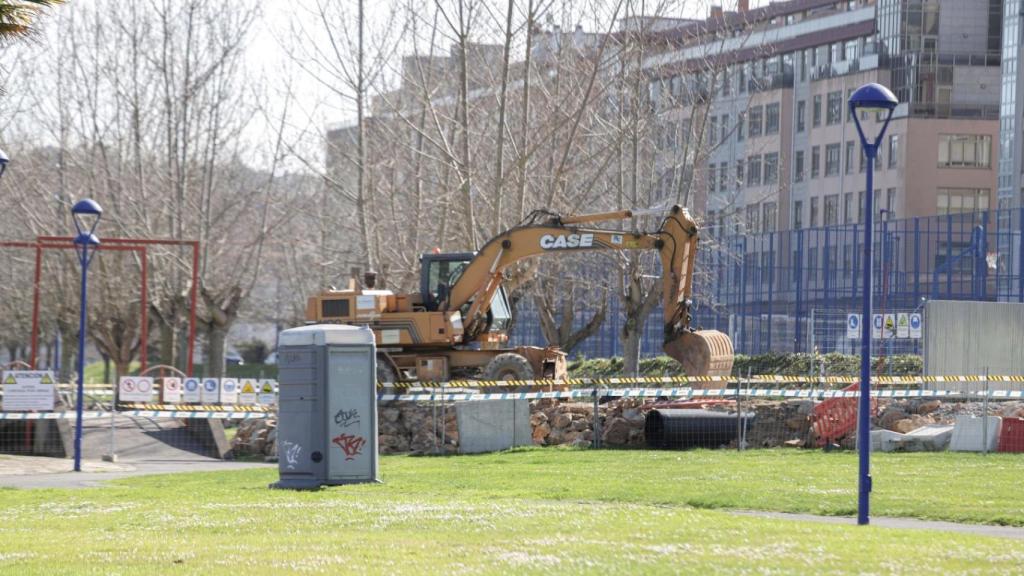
[{"x": 674, "y": 428}]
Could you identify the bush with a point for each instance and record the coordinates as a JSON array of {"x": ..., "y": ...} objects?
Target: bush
[
  {"x": 254, "y": 351},
  {"x": 776, "y": 364}
]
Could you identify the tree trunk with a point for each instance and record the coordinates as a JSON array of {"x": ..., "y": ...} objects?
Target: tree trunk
[
  {"x": 631, "y": 331},
  {"x": 216, "y": 342},
  {"x": 168, "y": 343}
]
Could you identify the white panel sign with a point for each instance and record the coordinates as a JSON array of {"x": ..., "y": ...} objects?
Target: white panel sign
[
  {"x": 247, "y": 394},
  {"x": 853, "y": 326},
  {"x": 210, "y": 391},
  {"x": 267, "y": 394},
  {"x": 228, "y": 391},
  {"x": 171, "y": 386},
  {"x": 889, "y": 327},
  {"x": 876, "y": 326},
  {"x": 915, "y": 325},
  {"x": 366, "y": 302},
  {"x": 191, "y": 393},
  {"x": 903, "y": 325},
  {"x": 28, "y": 390},
  {"x": 135, "y": 389},
  {"x": 390, "y": 336}
]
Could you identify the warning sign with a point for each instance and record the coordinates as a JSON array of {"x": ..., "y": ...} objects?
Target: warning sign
[
  {"x": 135, "y": 389},
  {"x": 228, "y": 391},
  {"x": 247, "y": 394},
  {"x": 853, "y": 326},
  {"x": 268, "y": 392},
  {"x": 876, "y": 326},
  {"x": 889, "y": 327},
  {"x": 915, "y": 325},
  {"x": 903, "y": 325},
  {"x": 191, "y": 394},
  {"x": 28, "y": 390},
  {"x": 171, "y": 386},
  {"x": 210, "y": 391}
]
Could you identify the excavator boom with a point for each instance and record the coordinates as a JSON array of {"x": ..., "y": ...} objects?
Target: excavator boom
[{"x": 701, "y": 353}]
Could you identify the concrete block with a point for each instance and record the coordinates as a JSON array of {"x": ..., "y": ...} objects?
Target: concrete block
[
  {"x": 967, "y": 434},
  {"x": 491, "y": 425},
  {"x": 933, "y": 438},
  {"x": 887, "y": 441}
]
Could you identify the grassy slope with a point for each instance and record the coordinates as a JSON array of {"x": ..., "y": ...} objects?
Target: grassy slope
[{"x": 533, "y": 510}]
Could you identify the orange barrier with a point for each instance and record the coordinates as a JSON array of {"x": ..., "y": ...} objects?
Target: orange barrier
[{"x": 836, "y": 417}]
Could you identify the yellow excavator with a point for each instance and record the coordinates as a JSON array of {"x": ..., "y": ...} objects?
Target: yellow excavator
[{"x": 456, "y": 323}]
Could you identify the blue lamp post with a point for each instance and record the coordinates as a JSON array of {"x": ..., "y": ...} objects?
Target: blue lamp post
[
  {"x": 878, "y": 99},
  {"x": 87, "y": 215}
]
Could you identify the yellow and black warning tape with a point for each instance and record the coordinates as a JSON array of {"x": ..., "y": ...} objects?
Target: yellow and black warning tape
[
  {"x": 759, "y": 379},
  {"x": 196, "y": 407}
]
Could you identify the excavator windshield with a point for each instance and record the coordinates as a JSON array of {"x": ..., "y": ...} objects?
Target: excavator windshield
[{"x": 439, "y": 272}]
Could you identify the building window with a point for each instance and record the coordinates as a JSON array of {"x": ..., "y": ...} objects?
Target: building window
[
  {"x": 832, "y": 210},
  {"x": 740, "y": 178},
  {"x": 960, "y": 200},
  {"x": 753, "y": 218},
  {"x": 965, "y": 151},
  {"x": 740, "y": 123},
  {"x": 894, "y": 149},
  {"x": 798, "y": 166},
  {"x": 798, "y": 214},
  {"x": 832, "y": 160},
  {"x": 712, "y": 181},
  {"x": 725, "y": 128},
  {"x": 754, "y": 122},
  {"x": 743, "y": 77},
  {"x": 754, "y": 171},
  {"x": 890, "y": 202},
  {"x": 771, "y": 119},
  {"x": 768, "y": 217},
  {"x": 851, "y": 148},
  {"x": 849, "y": 111},
  {"x": 814, "y": 213},
  {"x": 835, "y": 108},
  {"x": 801, "y": 110},
  {"x": 771, "y": 168},
  {"x": 815, "y": 161},
  {"x": 713, "y": 131},
  {"x": 860, "y": 206},
  {"x": 816, "y": 113},
  {"x": 848, "y": 208},
  {"x": 723, "y": 176}
]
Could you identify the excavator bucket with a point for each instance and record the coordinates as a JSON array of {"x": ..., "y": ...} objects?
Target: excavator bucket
[{"x": 702, "y": 353}]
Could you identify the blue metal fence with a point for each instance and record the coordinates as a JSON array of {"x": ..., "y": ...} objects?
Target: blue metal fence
[{"x": 791, "y": 291}]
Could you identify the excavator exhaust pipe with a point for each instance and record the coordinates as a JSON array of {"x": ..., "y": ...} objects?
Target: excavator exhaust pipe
[{"x": 702, "y": 353}]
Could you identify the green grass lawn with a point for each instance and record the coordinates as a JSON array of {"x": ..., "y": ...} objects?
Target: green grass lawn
[{"x": 527, "y": 511}]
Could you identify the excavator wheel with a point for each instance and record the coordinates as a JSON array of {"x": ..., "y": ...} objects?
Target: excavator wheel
[
  {"x": 508, "y": 366},
  {"x": 702, "y": 353}
]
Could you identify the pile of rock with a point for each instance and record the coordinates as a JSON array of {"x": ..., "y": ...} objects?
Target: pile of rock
[
  {"x": 256, "y": 438},
  {"x": 414, "y": 427},
  {"x": 572, "y": 423},
  {"x": 423, "y": 428}
]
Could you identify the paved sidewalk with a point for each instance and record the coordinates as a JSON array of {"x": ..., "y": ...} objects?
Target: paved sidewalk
[
  {"x": 904, "y": 523},
  {"x": 39, "y": 472}
]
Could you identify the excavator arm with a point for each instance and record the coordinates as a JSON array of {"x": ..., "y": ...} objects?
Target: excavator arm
[{"x": 700, "y": 352}]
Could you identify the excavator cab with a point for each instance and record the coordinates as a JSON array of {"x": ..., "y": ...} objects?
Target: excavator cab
[{"x": 440, "y": 271}]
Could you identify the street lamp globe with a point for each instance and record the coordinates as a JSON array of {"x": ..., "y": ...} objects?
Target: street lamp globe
[
  {"x": 872, "y": 98},
  {"x": 87, "y": 215}
]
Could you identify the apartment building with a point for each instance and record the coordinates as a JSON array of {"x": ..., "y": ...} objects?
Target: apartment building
[{"x": 781, "y": 148}]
